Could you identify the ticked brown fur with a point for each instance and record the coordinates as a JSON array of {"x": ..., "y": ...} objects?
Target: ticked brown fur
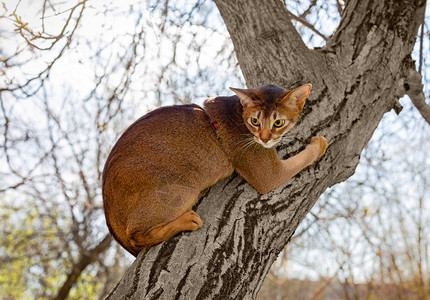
[{"x": 158, "y": 167}]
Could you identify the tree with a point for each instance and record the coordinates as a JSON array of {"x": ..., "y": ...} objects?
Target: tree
[
  {"x": 59, "y": 177},
  {"x": 357, "y": 76}
]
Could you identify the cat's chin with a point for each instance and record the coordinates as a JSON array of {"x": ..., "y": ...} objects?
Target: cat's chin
[{"x": 268, "y": 145}]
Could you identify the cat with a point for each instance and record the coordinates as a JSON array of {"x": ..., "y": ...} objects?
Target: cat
[{"x": 158, "y": 167}]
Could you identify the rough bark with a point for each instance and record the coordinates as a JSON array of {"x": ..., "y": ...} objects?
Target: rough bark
[{"x": 357, "y": 77}]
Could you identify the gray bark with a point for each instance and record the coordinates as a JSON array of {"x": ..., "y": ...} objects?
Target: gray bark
[{"x": 357, "y": 77}]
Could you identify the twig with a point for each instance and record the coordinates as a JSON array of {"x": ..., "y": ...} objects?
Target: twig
[
  {"x": 421, "y": 46},
  {"x": 307, "y": 24},
  {"x": 308, "y": 10}
]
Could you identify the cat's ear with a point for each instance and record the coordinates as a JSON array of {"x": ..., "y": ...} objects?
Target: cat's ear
[
  {"x": 245, "y": 100},
  {"x": 297, "y": 97}
]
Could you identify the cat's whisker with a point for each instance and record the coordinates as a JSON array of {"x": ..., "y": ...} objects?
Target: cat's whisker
[
  {"x": 244, "y": 142},
  {"x": 249, "y": 144},
  {"x": 247, "y": 140},
  {"x": 242, "y": 146}
]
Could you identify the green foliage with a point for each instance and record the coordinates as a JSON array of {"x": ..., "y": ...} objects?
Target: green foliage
[
  {"x": 35, "y": 256},
  {"x": 24, "y": 253},
  {"x": 88, "y": 287}
]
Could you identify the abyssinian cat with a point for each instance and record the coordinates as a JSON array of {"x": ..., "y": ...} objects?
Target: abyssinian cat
[{"x": 158, "y": 167}]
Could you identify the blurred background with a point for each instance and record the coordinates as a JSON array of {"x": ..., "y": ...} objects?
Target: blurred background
[{"x": 75, "y": 74}]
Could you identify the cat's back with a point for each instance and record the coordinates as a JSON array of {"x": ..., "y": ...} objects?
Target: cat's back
[
  {"x": 168, "y": 139},
  {"x": 164, "y": 129}
]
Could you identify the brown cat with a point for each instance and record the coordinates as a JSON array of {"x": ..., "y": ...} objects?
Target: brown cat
[{"x": 160, "y": 164}]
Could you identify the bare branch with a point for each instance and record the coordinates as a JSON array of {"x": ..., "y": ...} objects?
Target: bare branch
[
  {"x": 421, "y": 47},
  {"x": 308, "y": 10},
  {"x": 23, "y": 29},
  {"x": 44, "y": 74},
  {"x": 307, "y": 24},
  {"x": 414, "y": 89},
  {"x": 84, "y": 260}
]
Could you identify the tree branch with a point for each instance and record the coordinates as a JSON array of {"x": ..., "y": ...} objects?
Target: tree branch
[
  {"x": 414, "y": 89},
  {"x": 256, "y": 29},
  {"x": 307, "y": 24},
  {"x": 84, "y": 260},
  {"x": 308, "y": 10}
]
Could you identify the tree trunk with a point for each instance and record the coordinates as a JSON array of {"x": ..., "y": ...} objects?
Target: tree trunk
[{"x": 357, "y": 77}]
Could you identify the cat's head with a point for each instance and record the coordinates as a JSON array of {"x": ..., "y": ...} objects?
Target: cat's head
[{"x": 270, "y": 111}]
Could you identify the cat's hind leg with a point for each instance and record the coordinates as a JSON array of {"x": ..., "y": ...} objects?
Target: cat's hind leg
[{"x": 189, "y": 220}]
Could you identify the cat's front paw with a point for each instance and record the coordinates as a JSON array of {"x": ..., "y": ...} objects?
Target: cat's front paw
[{"x": 320, "y": 143}]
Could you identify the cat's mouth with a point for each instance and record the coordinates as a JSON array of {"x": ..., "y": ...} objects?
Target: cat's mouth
[{"x": 269, "y": 143}]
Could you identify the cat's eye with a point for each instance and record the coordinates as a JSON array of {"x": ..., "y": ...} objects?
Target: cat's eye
[
  {"x": 255, "y": 122},
  {"x": 279, "y": 123}
]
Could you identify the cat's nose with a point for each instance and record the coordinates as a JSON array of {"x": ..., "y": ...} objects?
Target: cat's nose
[{"x": 264, "y": 140}]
